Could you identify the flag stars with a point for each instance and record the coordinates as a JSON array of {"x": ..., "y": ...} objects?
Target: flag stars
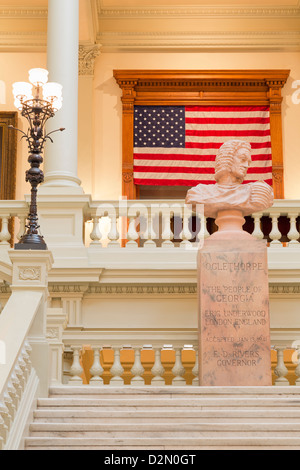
[{"x": 157, "y": 126}]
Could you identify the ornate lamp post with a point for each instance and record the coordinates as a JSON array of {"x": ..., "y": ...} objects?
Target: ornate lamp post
[{"x": 37, "y": 101}]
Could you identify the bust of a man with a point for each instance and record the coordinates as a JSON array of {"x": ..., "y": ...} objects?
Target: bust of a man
[{"x": 232, "y": 162}]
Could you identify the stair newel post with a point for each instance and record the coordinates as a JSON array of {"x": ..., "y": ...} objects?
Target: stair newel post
[
  {"x": 158, "y": 370},
  {"x": 116, "y": 370},
  {"x": 76, "y": 369},
  {"x": 96, "y": 370}
]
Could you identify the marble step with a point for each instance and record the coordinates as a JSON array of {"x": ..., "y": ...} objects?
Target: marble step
[
  {"x": 202, "y": 443},
  {"x": 157, "y": 404},
  {"x": 171, "y": 392},
  {"x": 111, "y": 417},
  {"x": 116, "y": 431}
]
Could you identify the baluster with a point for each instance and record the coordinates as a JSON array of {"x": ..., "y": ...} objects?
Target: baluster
[
  {"x": 17, "y": 386},
  {"x": 257, "y": 232},
  {"x": 195, "y": 370},
  {"x": 9, "y": 403},
  {"x": 113, "y": 234},
  {"x": 157, "y": 370},
  {"x": 137, "y": 369},
  {"x": 96, "y": 234},
  {"x": 281, "y": 370},
  {"x": 204, "y": 222},
  {"x": 185, "y": 234},
  {"x": 275, "y": 234},
  {"x": 6, "y": 421},
  {"x": 178, "y": 369},
  {"x": 293, "y": 234},
  {"x": 116, "y": 370},
  {"x": 22, "y": 228},
  {"x": 149, "y": 234},
  {"x": 12, "y": 394},
  {"x": 96, "y": 370},
  {"x": 167, "y": 234},
  {"x": 132, "y": 234},
  {"x": 297, "y": 370},
  {"x": 4, "y": 234},
  {"x": 76, "y": 369},
  {"x": 23, "y": 367}
]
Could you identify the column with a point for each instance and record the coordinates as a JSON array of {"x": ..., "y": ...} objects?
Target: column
[{"x": 63, "y": 41}]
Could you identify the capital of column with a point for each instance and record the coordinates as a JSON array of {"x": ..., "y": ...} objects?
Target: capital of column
[{"x": 87, "y": 57}]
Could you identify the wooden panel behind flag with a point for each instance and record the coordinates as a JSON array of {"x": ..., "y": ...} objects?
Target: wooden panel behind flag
[{"x": 177, "y": 145}]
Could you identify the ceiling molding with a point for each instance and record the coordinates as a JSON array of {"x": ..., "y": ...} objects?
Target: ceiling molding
[
  {"x": 21, "y": 12},
  {"x": 29, "y": 41},
  {"x": 160, "y": 40},
  {"x": 195, "y": 11}
]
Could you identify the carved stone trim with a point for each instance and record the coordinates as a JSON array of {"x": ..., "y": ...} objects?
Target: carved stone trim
[
  {"x": 87, "y": 57},
  {"x": 152, "y": 289},
  {"x": 196, "y": 11},
  {"x": 24, "y": 13},
  {"x": 266, "y": 40},
  {"x": 52, "y": 333},
  {"x": 30, "y": 273}
]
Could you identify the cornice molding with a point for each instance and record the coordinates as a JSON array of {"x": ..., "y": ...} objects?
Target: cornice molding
[
  {"x": 23, "y": 41},
  {"x": 200, "y": 12},
  {"x": 21, "y": 12},
  {"x": 146, "y": 290},
  {"x": 199, "y": 40}
]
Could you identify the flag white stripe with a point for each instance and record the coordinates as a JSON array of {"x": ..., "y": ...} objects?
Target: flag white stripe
[
  {"x": 221, "y": 139},
  {"x": 192, "y": 151},
  {"x": 190, "y": 164}
]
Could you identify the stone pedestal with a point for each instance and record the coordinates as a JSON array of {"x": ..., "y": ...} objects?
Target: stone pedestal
[{"x": 234, "y": 325}]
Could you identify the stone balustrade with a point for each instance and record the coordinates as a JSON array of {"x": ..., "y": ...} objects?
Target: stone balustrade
[
  {"x": 13, "y": 393},
  {"x": 13, "y": 218},
  {"x": 150, "y": 365},
  {"x": 172, "y": 224},
  {"x": 158, "y": 224}
]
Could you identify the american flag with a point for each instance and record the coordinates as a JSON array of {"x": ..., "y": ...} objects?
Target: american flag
[{"x": 177, "y": 145}]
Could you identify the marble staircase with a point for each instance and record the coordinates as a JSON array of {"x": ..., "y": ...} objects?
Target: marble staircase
[{"x": 167, "y": 418}]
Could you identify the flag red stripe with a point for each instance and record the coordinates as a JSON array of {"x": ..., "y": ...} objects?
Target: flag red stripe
[
  {"x": 215, "y": 133},
  {"x": 257, "y": 120},
  {"x": 182, "y": 182},
  {"x": 191, "y": 158},
  {"x": 217, "y": 145},
  {"x": 174, "y": 156},
  {"x": 184, "y": 169},
  {"x": 224, "y": 109},
  {"x": 165, "y": 182}
]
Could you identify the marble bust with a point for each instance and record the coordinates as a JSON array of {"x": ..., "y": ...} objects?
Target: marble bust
[{"x": 232, "y": 162}]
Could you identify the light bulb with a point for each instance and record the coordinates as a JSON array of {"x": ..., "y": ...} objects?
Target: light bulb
[
  {"x": 57, "y": 104},
  {"x": 22, "y": 91},
  {"x": 52, "y": 91},
  {"x": 18, "y": 104},
  {"x": 38, "y": 77}
]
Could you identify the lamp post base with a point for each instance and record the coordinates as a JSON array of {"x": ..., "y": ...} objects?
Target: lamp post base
[{"x": 31, "y": 242}]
